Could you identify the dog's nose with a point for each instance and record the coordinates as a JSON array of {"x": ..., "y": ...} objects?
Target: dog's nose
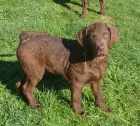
[{"x": 100, "y": 48}]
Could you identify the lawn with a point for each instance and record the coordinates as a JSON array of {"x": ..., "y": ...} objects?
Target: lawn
[{"x": 121, "y": 83}]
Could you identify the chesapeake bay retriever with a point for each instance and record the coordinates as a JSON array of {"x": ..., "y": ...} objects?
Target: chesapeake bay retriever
[
  {"x": 82, "y": 61},
  {"x": 84, "y": 4}
]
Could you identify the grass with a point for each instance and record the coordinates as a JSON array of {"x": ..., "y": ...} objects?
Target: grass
[{"x": 120, "y": 84}]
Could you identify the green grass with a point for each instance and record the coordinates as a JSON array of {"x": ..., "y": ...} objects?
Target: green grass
[{"x": 121, "y": 83}]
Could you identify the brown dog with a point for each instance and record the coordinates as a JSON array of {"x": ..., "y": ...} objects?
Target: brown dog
[
  {"x": 84, "y": 4},
  {"x": 82, "y": 61}
]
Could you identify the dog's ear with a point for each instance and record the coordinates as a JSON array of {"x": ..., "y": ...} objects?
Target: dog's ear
[
  {"x": 82, "y": 36},
  {"x": 114, "y": 34}
]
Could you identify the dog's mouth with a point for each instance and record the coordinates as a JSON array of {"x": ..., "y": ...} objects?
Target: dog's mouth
[
  {"x": 102, "y": 53},
  {"x": 102, "y": 56}
]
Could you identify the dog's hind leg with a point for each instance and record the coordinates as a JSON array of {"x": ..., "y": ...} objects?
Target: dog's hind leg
[
  {"x": 33, "y": 74},
  {"x": 102, "y": 4},
  {"x": 84, "y": 5}
]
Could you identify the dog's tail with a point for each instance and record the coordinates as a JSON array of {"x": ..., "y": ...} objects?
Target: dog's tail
[
  {"x": 28, "y": 35},
  {"x": 24, "y": 36}
]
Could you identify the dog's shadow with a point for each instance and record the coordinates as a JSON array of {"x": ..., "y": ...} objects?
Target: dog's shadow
[
  {"x": 11, "y": 72},
  {"x": 64, "y": 4}
]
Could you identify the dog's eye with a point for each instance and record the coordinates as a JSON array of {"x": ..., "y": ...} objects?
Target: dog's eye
[
  {"x": 106, "y": 35},
  {"x": 93, "y": 37}
]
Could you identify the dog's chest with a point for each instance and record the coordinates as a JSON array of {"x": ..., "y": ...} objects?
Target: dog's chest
[
  {"x": 96, "y": 68},
  {"x": 89, "y": 71}
]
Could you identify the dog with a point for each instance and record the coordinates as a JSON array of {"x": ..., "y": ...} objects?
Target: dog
[
  {"x": 84, "y": 5},
  {"x": 82, "y": 61}
]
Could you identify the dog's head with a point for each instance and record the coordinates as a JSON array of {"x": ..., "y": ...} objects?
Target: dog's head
[{"x": 98, "y": 37}]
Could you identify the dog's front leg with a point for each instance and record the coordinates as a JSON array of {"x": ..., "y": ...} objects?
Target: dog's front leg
[
  {"x": 76, "y": 89},
  {"x": 97, "y": 91}
]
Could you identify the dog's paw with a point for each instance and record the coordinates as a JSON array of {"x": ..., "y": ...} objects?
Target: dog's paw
[
  {"x": 82, "y": 16},
  {"x": 109, "y": 110},
  {"x": 35, "y": 105},
  {"x": 101, "y": 12},
  {"x": 18, "y": 84},
  {"x": 80, "y": 112}
]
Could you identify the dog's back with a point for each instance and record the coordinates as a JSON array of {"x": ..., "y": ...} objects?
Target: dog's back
[{"x": 42, "y": 49}]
